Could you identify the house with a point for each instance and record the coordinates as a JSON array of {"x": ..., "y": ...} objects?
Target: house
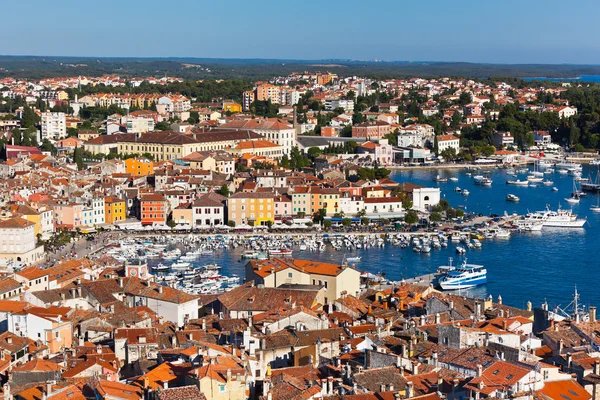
[
  {"x": 154, "y": 209},
  {"x": 448, "y": 142},
  {"x": 542, "y": 138},
  {"x": 18, "y": 242},
  {"x": 503, "y": 139},
  {"x": 251, "y": 208},
  {"x": 50, "y": 326},
  {"x": 133, "y": 344},
  {"x": 371, "y": 130},
  {"x": 336, "y": 279},
  {"x": 502, "y": 379},
  {"x": 115, "y": 209},
  {"x": 139, "y": 166},
  {"x": 565, "y": 111},
  {"x": 251, "y": 299},
  {"x": 208, "y": 211}
]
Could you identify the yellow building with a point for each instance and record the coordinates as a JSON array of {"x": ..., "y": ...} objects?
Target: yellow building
[
  {"x": 139, "y": 167},
  {"x": 30, "y": 214},
  {"x": 115, "y": 209},
  {"x": 253, "y": 209},
  {"x": 231, "y": 106},
  {"x": 325, "y": 198}
]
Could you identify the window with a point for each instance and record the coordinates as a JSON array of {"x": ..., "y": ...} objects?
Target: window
[
  {"x": 289, "y": 274},
  {"x": 222, "y": 388}
]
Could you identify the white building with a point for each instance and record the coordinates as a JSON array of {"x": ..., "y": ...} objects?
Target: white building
[
  {"x": 138, "y": 124},
  {"x": 98, "y": 211},
  {"x": 448, "y": 142},
  {"x": 332, "y": 104},
  {"x": 383, "y": 207},
  {"x": 18, "y": 242},
  {"x": 208, "y": 211},
  {"x": 54, "y": 125},
  {"x": 351, "y": 205},
  {"x": 424, "y": 198}
]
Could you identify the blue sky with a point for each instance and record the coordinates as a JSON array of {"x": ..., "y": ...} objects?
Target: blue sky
[{"x": 508, "y": 31}]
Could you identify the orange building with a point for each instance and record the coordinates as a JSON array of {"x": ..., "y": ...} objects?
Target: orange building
[
  {"x": 139, "y": 166},
  {"x": 115, "y": 209},
  {"x": 266, "y": 92},
  {"x": 154, "y": 209}
]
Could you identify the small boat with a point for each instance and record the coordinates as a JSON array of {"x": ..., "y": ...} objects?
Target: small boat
[
  {"x": 181, "y": 265},
  {"x": 353, "y": 259},
  {"x": 454, "y": 179},
  {"x": 460, "y": 250},
  {"x": 518, "y": 182},
  {"x": 160, "y": 267},
  {"x": 457, "y": 189},
  {"x": 439, "y": 178},
  {"x": 548, "y": 183},
  {"x": 555, "y": 189},
  {"x": 482, "y": 180},
  {"x": 562, "y": 171},
  {"x": 465, "y": 192},
  {"x": 575, "y": 196},
  {"x": 280, "y": 252},
  {"x": 512, "y": 198}
]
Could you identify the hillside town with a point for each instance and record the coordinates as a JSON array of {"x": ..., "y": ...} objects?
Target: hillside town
[{"x": 100, "y": 174}]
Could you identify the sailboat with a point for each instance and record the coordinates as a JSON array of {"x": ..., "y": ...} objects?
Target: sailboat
[
  {"x": 575, "y": 197},
  {"x": 596, "y": 208}
]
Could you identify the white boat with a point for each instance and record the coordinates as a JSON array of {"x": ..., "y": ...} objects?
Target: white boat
[
  {"x": 534, "y": 179},
  {"x": 530, "y": 226},
  {"x": 518, "y": 182},
  {"x": 575, "y": 197},
  {"x": 548, "y": 183},
  {"x": 512, "y": 198},
  {"x": 438, "y": 178},
  {"x": 179, "y": 266},
  {"x": 454, "y": 179},
  {"x": 353, "y": 259},
  {"x": 457, "y": 189},
  {"x": 568, "y": 165},
  {"x": 555, "y": 219},
  {"x": 555, "y": 189},
  {"x": 160, "y": 268},
  {"x": 502, "y": 234},
  {"x": 465, "y": 192},
  {"x": 463, "y": 277},
  {"x": 562, "y": 171},
  {"x": 482, "y": 180},
  {"x": 280, "y": 252},
  {"x": 460, "y": 250},
  {"x": 595, "y": 162}
]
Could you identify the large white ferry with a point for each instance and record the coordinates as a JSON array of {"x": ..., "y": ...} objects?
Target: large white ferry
[
  {"x": 555, "y": 219},
  {"x": 463, "y": 277}
]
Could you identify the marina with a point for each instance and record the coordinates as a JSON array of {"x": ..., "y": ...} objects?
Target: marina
[{"x": 522, "y": 243}]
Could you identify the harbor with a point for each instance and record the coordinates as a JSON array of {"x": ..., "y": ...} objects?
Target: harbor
[{"x": 506, "y": 238}]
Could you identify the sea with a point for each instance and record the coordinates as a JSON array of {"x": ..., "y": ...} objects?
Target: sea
[
  {"x": 537, "y": 267},
  {"x": 582, "y": 78}
]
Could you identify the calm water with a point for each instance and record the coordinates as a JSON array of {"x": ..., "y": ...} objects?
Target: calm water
[
  {"x": 582, "y": 78},
  {"x": 532, "y": 266}
]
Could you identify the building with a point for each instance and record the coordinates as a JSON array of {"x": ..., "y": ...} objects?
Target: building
[
  {"x": 566, "y": 111},
  {"x": 371, "y": 130},
  {"x": 163, "y": 146},
  {"x": 247, "y": 99},
  {"x": 503, "y": 139},
  {"x": 264, "y": 148},
  {"x": 332, "y": 104},
  {"x": 18, "y": 242},
  {"x": 266, "y": 91},
  {"x": 54, "y": 125},
  {"x": 138, "y": 124},
  {"x": 448, "y": 142},
  {"x": 154, "y": 209},
  {"x": 327, "y": 199},
  {"x": 115, "y": 209},
  {"x": 253, "y": 209},
  {"x": 231, "y": 106},
  {"x": 139, "y": 166},
  {"x": 337, "y": 280},
  {"x": 209, "y": 211},
  {"x": 272, "y": 129},
  {"x": 542, "y": 138}
]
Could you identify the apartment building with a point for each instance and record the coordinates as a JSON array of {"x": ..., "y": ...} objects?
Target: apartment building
[
  {"x": 54, "y": 125},
  {"x": 253, "y": 209}
]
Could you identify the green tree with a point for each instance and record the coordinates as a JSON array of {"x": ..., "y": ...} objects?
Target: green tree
[
  {"x": 327, "y": 224},
  {"x": 78, "y": 157},
  {"x": 411, "y": 217},
  {"x": 435, "y": 217},
  {"x": 224, "y": 190},
  {"x": 346, "y": 222},
  {"x": 449, "y": 153}
]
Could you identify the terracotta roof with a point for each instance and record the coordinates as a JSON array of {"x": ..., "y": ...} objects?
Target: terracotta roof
[
  {"x": 15, "y": 223},
  {"x": 181, "y": 393},
  {"x": 117, "y": 390}
]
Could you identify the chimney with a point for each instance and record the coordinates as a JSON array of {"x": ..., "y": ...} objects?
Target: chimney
[
  {"x": 434, "y": 358},
  {"x": 391, "y": 387},
  {"x": 479, "y": 370},
  {"x": 165, "y": 384},
  {"x": 592, "y": 313},
  {"x": 529, "y": 306},
  {"x": 422, "y": 320},
  {"x": 451, "y": 305},
  {"x": 409, "y": 390},
  {"x": 415, "y": 368},
  {"x": 596, "y": 367},
  {"x": 382, "y": 387},
  {"x": 99, "y": 349},
  {"x": 204, "y": 324},
  {"x": 437, "y": 318},
  {"x": 499, "y": 299},
  {"x": 569, "y": 362},
  {"x": 561, "y": 345},
  {"x": 81, "y": 341},
  {"x": 228, "y": 375},
  {"x": 121, "y": 282},
  {"x": 403, "y": 351},
  {"x": 9, "y": 340},
  {"x": 160, "y": 289},
  {"x": 440, "y": 383}
]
